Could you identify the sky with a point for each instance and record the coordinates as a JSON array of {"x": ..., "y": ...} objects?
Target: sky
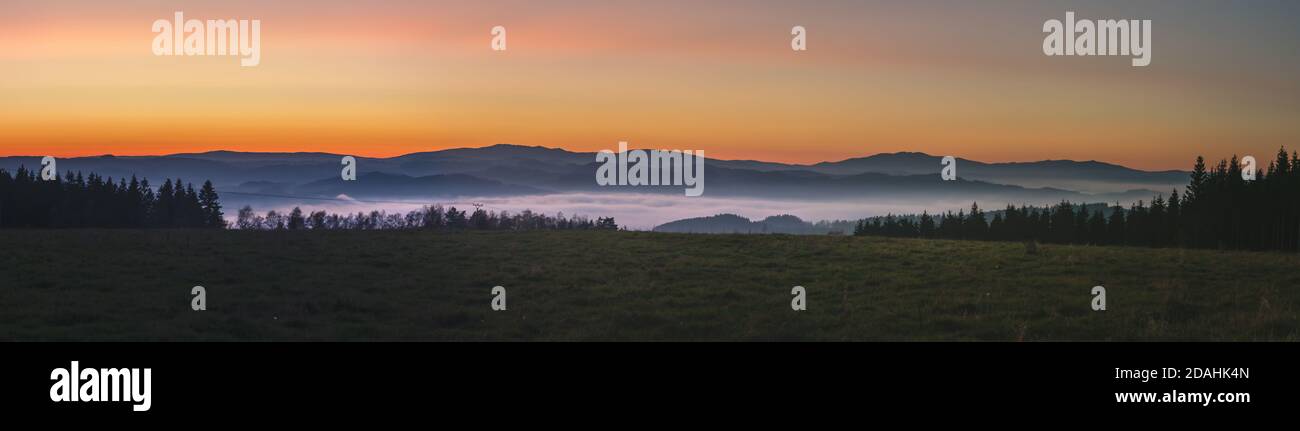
[{"x": 385, "y": 78}]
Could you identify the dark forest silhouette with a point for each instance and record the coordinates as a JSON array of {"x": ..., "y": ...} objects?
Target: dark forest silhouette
[
  {"x": 1218, "y": 209},
  {"x": 433, "y": 217},
  {"x": 91, "y": 201},
  {"x": 74, "y": 201}
]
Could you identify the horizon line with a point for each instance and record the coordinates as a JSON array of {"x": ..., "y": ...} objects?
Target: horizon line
[{"x": 922, "y": 153}]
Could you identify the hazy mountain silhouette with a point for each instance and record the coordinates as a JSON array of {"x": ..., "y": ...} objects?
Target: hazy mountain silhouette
[
  {"x": 506, "y": 170},
  {"x": 731, "y": 223},
  {"x": 788, "y": 224},
  {"x": 1092, "y": 176}
]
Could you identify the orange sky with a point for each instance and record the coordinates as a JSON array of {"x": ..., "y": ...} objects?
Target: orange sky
[{"x": 387, "y": 78}]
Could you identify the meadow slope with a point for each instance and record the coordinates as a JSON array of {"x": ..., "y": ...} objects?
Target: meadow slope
[{"x": 601, "y": 285}]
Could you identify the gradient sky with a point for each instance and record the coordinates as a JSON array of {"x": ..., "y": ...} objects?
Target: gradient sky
[{"x": 383, "y": 78}]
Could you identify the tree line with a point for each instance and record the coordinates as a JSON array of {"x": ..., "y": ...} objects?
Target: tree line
[
  {"x": 433, "y": 217},
  {"x": 1218, "y": 209},
  {"x": 92, "y": 201}
]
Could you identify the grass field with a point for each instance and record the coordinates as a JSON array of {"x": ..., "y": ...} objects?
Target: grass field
[{"x": 396, "y": 285}]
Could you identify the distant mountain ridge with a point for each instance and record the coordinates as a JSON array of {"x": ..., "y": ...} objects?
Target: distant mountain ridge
[
  {"x": 788, "y": 224},
  {"x": 508, "y": 170},
  {"x": 731, "y": 223}
]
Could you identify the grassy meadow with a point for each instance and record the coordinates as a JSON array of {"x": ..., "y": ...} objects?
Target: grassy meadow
[{"x": 603, "y": 285}]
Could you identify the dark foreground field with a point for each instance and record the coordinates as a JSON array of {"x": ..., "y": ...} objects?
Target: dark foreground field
[{"x": 129, "y": 285}]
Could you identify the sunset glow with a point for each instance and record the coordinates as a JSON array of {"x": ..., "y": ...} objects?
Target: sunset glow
[{"x": 952, "y": 78}]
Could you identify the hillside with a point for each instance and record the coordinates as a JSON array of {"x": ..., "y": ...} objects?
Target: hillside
[
  {"x": 731, "y": 223},
  {"x": 378, "y": 285}
]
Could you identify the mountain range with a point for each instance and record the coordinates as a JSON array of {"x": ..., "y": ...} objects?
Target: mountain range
[{"x": 513, "y": 170}]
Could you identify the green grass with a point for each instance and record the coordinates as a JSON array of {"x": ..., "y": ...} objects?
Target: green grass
[{"x": 135, "y": 285}]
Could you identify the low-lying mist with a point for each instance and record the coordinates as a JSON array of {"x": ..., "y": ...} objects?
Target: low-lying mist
[{"x": 645, "y": 211}]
